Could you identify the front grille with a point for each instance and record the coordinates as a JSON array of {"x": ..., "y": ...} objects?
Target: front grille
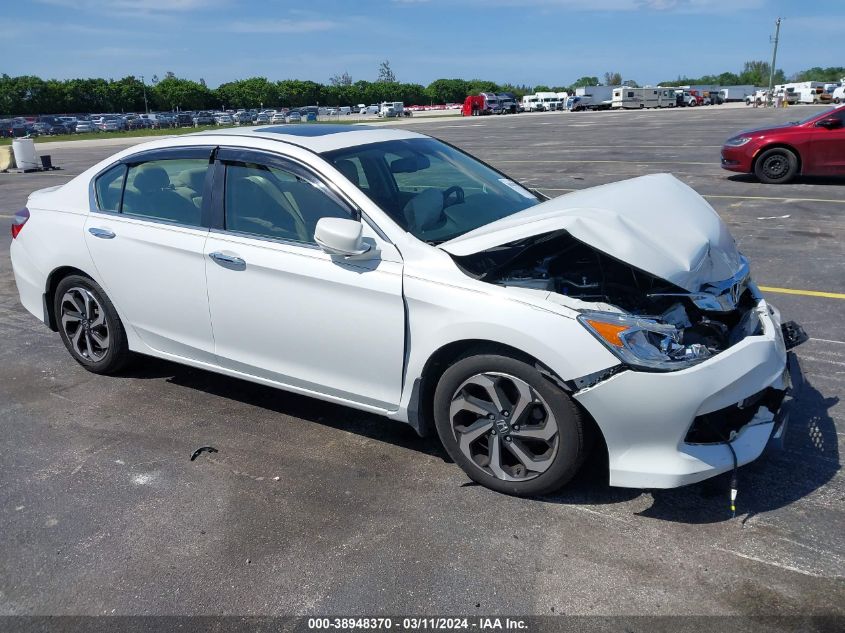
[{"x": 717, "y": 426}]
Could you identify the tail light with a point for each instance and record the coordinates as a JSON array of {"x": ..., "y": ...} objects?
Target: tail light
[{"x": 20, "y": 219}]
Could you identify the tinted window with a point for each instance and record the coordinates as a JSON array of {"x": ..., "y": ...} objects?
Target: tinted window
[
  {"x": 109, "y": 186},
  {"x": 166, "y": 190},
  {"x": 271, "y": 202}
]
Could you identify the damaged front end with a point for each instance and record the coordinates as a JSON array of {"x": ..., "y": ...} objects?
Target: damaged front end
[{"x": 650, "y": 324}]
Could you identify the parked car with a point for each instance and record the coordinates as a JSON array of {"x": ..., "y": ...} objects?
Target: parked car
[
  {"x": 85, "y": 126},
  {"x": 111, "y": 123},
  {"x": 278, "y": 117},
  {"x": 515, "y": 326},
  {"x": 223, "y": 118},
  {"x": 184, "y": 119},
  {"x": 244, "y": 118},
  {"x": 203, "y": 118},
  {"x": 262, "y": 118},
  {"x": 42, "y": 127},
  {"x": 293, "y": 117},
  {"x": 777, "y": 154},
  {"x": 838, "y": 94}
]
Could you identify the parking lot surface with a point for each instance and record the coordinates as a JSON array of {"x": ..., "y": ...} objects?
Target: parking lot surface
[{"x": 312, "y": 508}]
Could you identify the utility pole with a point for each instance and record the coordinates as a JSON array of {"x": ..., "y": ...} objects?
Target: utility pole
[
  {"x": 774, "y": 61},
  {"x": 146, "y": 107}
]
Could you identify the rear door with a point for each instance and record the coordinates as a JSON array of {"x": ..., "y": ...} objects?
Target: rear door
[{"x": 146, "y": 237}]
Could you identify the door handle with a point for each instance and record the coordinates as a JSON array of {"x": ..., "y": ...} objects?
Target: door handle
[
  {"x": 228, "y": 261},
  {"x": 101, "y": 233}
]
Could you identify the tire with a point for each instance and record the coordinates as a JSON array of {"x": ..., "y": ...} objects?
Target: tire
[
  {"x": 776, "y": 166},
  {"x": 90, "y": 326},
  {"x": 546, "y": 428}
]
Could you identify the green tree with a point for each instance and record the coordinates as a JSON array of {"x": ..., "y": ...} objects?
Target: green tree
[
  {"x": 385, "y": 73},
  {"x": 173, "y": 93},
  {"x": 248, "y": 93},
  {"x": 344, "y": 79},
  {"x": 612, "y": 79},
  {"x": 757, "y": 73},
  {"x": 586, "y": 81},
  {"x": 832, "y": 74},
  {"x": 447, "y": 91}
]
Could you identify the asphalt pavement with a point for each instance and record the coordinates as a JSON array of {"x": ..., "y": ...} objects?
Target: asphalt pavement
[{"x": 312, "y": 508}]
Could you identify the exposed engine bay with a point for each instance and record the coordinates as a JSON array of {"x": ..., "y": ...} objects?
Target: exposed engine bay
[{"x": 697, "y": 325}]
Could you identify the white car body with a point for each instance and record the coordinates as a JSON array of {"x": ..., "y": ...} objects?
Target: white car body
[{"x": 363, "y": 331}]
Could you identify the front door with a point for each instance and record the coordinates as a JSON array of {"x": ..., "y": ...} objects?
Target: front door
[
  {"x": 284, "y": 310},
  {"x": 828, "y": 146}
]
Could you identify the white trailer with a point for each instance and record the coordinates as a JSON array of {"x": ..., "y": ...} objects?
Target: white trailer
[
  {"x": 391, "y": 109},
  {"x": 531, "y": 103},
  {"x": 666, "y": 98},
  {"x": 548, "y": 101},
  {"x": 596, "y": 97},
  {"x": 635, "y": 98},
  {"x": 808, "y": 91},
  {"x": 737, "y": 93}
]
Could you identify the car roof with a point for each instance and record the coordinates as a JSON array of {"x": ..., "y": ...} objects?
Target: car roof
[{"x": 319, "y": 137}]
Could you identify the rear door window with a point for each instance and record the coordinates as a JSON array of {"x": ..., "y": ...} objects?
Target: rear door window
[{"x": 170, "y": 190}]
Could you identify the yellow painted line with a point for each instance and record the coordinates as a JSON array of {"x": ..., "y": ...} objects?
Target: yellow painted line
[{"x": 803, "y": 293}]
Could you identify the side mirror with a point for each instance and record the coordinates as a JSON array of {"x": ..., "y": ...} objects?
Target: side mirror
[
  {"x": 830, "y": 123},
  {"x": 339, "y": 236}
]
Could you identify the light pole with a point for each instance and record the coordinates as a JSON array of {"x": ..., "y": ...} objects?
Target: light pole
[
  {"x": 774, "y": 61},
  {"x": 146, "y": 107}
]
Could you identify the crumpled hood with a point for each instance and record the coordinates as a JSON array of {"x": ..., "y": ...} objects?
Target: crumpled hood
[{"x": 655, "y": 223}]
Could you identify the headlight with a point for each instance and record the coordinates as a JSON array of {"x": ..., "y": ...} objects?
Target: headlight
[
  {"x": 738, "y": 141},
  {"x": 643, "y": 343}
]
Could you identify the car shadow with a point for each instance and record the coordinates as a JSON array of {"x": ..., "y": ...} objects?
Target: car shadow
[
  {"x": 809, "y": 460},
  {"x": 835, "y": 181},
  {"x": 310, "y": 409}
]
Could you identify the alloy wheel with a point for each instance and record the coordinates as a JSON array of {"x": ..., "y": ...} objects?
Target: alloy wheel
[
  {"x": 503, "y": 426},
  {"x": 84, "y": 323}
]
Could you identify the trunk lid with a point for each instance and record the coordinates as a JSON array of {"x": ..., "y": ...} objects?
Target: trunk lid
[{"x": 655, "y": 223}]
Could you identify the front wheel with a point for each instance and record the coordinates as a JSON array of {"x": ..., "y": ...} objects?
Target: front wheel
[
  {"x": 90, "y": 326},
  {"x": 507, "y": 426},
  {"x": 776, "y": 166}
]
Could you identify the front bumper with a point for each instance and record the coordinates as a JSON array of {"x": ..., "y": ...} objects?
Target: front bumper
[
  {"x": 645, "y": 417},
  {"x": 739, "y": 159}
]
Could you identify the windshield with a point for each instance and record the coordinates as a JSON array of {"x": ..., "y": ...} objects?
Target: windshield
[{"x": 430, "y": 189}]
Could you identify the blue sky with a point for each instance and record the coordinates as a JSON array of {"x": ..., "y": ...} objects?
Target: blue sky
[{"x": 520, "y": 41}]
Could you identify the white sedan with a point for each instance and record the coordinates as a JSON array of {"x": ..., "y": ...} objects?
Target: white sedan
[{"x": 390, "y": 272}]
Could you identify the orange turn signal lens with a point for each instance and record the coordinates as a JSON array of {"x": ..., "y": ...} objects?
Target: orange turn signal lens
[{"x": 608, "y": 331}]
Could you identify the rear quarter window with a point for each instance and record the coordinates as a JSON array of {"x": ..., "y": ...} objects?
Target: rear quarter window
[{"x": 109, "y": 188}]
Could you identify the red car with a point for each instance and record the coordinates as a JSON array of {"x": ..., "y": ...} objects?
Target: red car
[{"x": 812, "y": 147}]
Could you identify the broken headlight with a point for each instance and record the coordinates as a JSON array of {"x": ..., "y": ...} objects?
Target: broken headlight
[{"x": 643, "y": 343}]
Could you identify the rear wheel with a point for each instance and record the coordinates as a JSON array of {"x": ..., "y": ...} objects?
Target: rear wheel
[
  {"x": 776, "y": 166},
  {"x": 89, "y": 325},
  {"x": 507, "y": 426}
]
